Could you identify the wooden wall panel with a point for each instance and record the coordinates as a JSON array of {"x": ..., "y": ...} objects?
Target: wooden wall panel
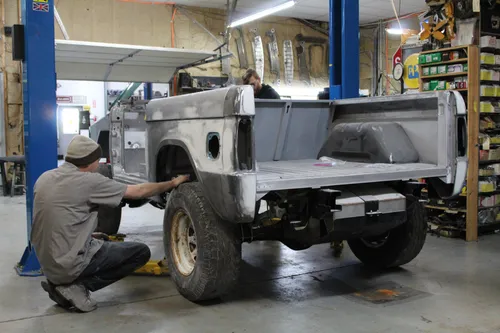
[
  {"x": 13, "y": 112},
  {"x": 113, "y": 21}
]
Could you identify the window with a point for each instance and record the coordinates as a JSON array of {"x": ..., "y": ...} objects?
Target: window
[{"x": 70, "y": 120}]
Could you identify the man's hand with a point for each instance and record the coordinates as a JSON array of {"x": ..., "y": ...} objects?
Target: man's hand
[
  {"x": 179, "y": 180},
  {"x": 147, "y": 190}
]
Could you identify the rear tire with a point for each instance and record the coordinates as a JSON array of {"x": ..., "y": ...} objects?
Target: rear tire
[
  {"x": 203, "y": 251},
  {"x": 399, "y": 246},
  {"x": 108, "y": 218}
]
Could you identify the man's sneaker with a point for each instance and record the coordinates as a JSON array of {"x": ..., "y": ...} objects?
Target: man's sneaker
[
  {"x": 78, "y": 296},
  {"x": 55, "y": 296}
]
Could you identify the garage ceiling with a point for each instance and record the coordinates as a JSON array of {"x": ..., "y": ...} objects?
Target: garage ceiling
[{"x": 370, "y": 10}]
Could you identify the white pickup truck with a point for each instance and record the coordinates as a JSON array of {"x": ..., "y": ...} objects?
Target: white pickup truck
[{"x": 301, "y": 172}]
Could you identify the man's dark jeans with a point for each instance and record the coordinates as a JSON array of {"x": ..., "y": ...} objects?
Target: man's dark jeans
[{"x": 113, "y": 262}]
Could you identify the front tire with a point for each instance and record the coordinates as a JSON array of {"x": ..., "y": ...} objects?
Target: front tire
[
  {"x": 203, "y": 251},
  {"x": 397, "y": 247}
]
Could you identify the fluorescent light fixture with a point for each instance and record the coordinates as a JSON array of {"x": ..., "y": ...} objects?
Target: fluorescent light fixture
[
  {"x": 394, "y": 31},
  {"x": 263, "y": 13}
]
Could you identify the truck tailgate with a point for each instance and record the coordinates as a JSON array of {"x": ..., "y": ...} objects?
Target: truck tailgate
[{"x": 284, "y": 175}]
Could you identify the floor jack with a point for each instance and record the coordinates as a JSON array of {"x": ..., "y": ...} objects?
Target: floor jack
[{"x": 152, "y": 267}]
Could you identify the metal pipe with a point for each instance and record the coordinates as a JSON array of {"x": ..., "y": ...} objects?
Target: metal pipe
[
  {"x": 183, "y": 12},
  {"x": 168, "y": 3},
  {"x": 312, "y": 26},
  {"x": 331, "y": 46},
  {"x": 375, "y": 58},
  {"x": 61, "y": 24}
]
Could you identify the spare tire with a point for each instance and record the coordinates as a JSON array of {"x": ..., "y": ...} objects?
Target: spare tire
[
  {"x": 108, "y": 218},
  {"x": 397, "y": 247}
]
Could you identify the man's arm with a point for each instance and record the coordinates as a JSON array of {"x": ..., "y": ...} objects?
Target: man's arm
[{"x": 146, "y": 190}]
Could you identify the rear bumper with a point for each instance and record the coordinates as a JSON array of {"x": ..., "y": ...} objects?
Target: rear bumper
[{"x": 361, "y": 227}]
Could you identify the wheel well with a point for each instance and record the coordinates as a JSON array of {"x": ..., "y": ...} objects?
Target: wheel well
[
  {"x": 173, "y": 161},
  {"x": 103, "y": 141}
]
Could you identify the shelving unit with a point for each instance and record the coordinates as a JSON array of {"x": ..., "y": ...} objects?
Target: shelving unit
[
  {"x": 444, "y": 75},
  {"x": 465, "y": 81}
]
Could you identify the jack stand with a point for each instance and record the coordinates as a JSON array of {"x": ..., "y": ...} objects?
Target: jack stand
[
  {"x": 152, "y": 267},
  {"x": 29, "y": 265}
]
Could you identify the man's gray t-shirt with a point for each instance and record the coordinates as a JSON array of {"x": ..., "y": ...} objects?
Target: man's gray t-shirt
[{"x": 64, "y": 217}]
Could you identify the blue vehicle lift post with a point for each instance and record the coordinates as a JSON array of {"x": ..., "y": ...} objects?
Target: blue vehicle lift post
[
  {"x": 344, "y": 49},
  {"x": 39, "y": 102},
  {"x": 148, "y": 91}
]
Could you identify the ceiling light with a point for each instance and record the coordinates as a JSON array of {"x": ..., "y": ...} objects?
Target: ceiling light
[
  {"x": 263, "y": 13},
  {"x": 394, "y": 31}
]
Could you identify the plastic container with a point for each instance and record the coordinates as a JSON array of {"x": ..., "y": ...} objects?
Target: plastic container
[
  {"x": 486, "y": 107},
  {"x": 486, "y": 75},
  {"x": 487, "y": 58},
  {"x": 488, "y": 41},
  {"x": 455, "y": 68},
  {"x": 436, "y": 57}
]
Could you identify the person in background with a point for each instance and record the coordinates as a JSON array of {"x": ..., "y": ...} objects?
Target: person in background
[{"x": 260, "y": 90}]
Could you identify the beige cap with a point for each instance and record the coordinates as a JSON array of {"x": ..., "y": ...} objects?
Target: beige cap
[{"x": 83, "y": 151}]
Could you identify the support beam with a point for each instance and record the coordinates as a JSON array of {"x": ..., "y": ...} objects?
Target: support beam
[
  {"x": 39, "y": 86},
  {"x": 344, "y": 49},
  {"x": 148, "y": 91}
]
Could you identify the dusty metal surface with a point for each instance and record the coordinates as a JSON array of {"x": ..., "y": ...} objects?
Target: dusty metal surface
[
  {"x": 282, "y": 175},
  {"x": 242, "y": 52},
  {"x": 258, "y": 53},
  {"x": 303, "y": 69},
  {"x": 274, "y": 59},
  {"x": 286, "y": 139},
  {"x": 186, "y": 121},
  {"x": 288, "y": 61}
]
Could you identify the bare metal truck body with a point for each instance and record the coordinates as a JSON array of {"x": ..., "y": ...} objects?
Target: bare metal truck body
[{"x": 302, "y": 172}]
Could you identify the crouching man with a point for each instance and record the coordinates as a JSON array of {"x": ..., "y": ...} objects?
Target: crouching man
[{"x": 65, "y": 216}]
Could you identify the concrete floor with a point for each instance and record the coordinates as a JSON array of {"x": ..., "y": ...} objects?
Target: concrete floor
[{"x": 454, "y": 287}]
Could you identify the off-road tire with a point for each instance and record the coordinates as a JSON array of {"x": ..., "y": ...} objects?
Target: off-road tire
[
  {"x": 217, "y": 265},
  {"x": 403, "y": 243},
  {"x": 108, "y": 218}
]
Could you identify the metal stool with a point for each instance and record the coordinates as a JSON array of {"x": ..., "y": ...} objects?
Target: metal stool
[{"x": 19, "y": 169}]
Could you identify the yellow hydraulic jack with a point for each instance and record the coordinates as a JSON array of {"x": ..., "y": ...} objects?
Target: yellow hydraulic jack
[{"x": 152, "y": 267}]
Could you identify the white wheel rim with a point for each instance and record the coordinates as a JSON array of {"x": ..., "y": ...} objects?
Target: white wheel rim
[{"x": 183, "y": 243}]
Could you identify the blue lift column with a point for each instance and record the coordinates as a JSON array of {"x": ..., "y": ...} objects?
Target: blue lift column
[
  {"x": 344, "y": 49},
  {"x": 39, "y": 97},
  {"x": 148, "y": 91}
]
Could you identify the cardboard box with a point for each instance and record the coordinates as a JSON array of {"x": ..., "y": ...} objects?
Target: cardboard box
[
  {"x": 433, "y": 70},
  {"x": 425, "y": 71},
  {"x": 442, "y": 69}
]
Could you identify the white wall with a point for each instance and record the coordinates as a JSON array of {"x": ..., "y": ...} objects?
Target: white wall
[{"x": 94, "y": 91}]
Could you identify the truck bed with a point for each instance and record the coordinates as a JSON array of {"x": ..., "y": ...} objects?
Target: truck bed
[{"x": 284, "y": 175}]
